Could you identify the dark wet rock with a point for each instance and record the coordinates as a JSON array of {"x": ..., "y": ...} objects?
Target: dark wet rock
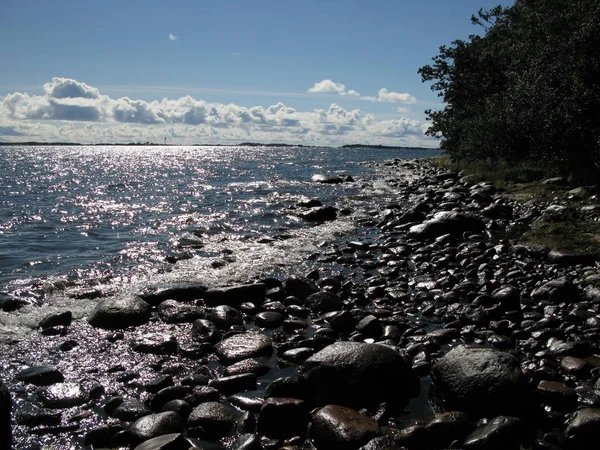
[
  {"x": 269, "y": 319},
  {"x": 446, "y": 428},
  {"x": 558, "y": 290},
  {"x": 172, "y": 311},
  {"x": 9, "y": 303},
  {"x": 243, "y": 346},
  {"x": 326, "y": 179},
  {"x": 167, "y": 394},
  {"x": 5, "y": 417},
  {"x": 63, "y": 395},
  {"x": 57, "y": 319},
  {"x": 481, "y": 382},
  {"x": 204, "y": 330},
  {"x": 178, "y": 406},
  {"x": 582, "y": 348},
  {"x": 154, "y": 425},
  {"x": 289, "y": 387},
  {"x": 370, "y": 326},
  {"x": 583, "y": 428},
  {"x": 355, "y": 374},
  {"x": 257, "y": 366},
  {"x": 236, "y": 295},
  {"x": 297, "y": 355},
  {"x": 247, "y": 441},
  {"x": 181, "y": 292},
  {"x": 556, "y": 181},
  {"x": 247, "y": 401},
  {"x": 40, "y": 375},
  {"x": 173, "y": 441},
  {"x": 557, "y": 395},
  {"x": 323, "y": 302},
  {"x": 508, "y": 298},
  {"x": 102, "y": 437},
  {"x": 320, "y": 214},
  {"x": 497, "y": 211},
  {"x": 32, "y": 415},
  {"x": 446, "y": 222},
  {"x": 224, "y": 317},
  {"x": 158, "y": 383},
  {"x": 234, "y": 383},
  {"x": 214, "y": 418},
  {"x": 155, "y": 344},
  {"x": 300, "y": 287},
  {"x": 130, "y": 410},
  {"x": 338, "y": 427},
  {"x": 202, "y": 394},
  {"x": 500, "y": 433},
  {"x": 120, "y": 312},
  {"x": 310, "y": 203},
  {"x": 282, "y": 418},
  {"x": 572, "y": 258}
]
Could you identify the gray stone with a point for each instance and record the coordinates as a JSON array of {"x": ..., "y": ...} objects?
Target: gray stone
[
  {"x": 583, "y": 428},
  {"x": 173, "y": 441},
  {"x": 172, "y": 311},
  {"x": 500, "y": 433},
  {"x": 326, "y": 179},
  {"x": 155, "y": 425},
  {"x": 319, "y": 214},
  {"x": 236, "y": 295},
  {"x": 354, "y": 374},
  {"x": 40, "y": 375},
  {"x": 214, "y": 418},
  {"x": 120, "y": 312},
  {"x": 181, "y": 292},
  {"x": 481, "y": 382},
  {"x": 57, "y": 319},
  {"x": 338, "y": 427},
  {"x": 63, "y": 395},
  {"x": 243, "y": 346},
  {"x": 446, "y": 222}
]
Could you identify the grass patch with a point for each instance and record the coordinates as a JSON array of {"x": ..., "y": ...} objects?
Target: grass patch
[{"x": 579, "y": 237}]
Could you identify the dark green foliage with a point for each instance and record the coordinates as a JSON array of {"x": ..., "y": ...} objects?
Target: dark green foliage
[{"x": 528, "y": 89}]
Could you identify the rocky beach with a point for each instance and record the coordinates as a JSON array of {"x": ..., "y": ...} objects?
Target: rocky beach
[{"x": 444, "y": 331}]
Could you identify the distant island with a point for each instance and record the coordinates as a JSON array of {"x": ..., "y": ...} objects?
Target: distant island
[{"x": 243, "y": 144}]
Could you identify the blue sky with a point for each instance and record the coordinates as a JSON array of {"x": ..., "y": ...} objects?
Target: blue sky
[{"x": 326, "y": 72}]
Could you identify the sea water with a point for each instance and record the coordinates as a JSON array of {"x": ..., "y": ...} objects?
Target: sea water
[{"x": 78, "y": 222}]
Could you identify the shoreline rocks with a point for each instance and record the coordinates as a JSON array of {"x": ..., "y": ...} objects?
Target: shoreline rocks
[{"x": 501, "y": 338}]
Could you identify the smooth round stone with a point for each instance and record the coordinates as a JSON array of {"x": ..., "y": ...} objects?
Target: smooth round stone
[
  {"x": 214, "y": 418},
  {"x": 269, "y": 319},
  {"x": 336, "y": 426},
  {"x": 573, "y": 365},
  {"x": 242, "y": 346},
  {"x": 63, "y": 395},
  {"x": 297, "y": 355},
  {"x": 173, "y": 441},
  {"x": 40, "y": 375},
  {"x": 155, "y": 425},
  {"x": 130, "y": 410},
  {"x": 258, "y": 366},
  {"x": 120, "y": 312},
  {"x": 155, "y": 344},
  {"x": 283, "y": 418}
]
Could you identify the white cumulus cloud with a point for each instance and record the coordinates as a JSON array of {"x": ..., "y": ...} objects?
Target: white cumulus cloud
[
  {"x": 327, "y": 86},
  {"x": 394, "y": 97},
  {"x": 70, "y": 110},
  {"x": 173, "y": 37}
]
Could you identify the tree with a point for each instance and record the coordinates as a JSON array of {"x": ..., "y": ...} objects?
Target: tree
[{"x": 527, "y": 89}]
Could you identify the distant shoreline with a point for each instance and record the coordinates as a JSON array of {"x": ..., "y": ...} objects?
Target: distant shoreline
[{"x": 243, "y": 144}]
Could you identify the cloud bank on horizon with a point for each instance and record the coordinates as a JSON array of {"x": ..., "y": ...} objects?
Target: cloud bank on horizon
[{"x": 72, "y": 111}]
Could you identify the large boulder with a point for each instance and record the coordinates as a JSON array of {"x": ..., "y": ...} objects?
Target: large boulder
[
  {"x": 481, "y": 382},
  {"x": 236, "y": 295},
  {"x": 356, "y": 374},
  {"x": 120, "y": 312},
  {"x": 446, "y": 222}
]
